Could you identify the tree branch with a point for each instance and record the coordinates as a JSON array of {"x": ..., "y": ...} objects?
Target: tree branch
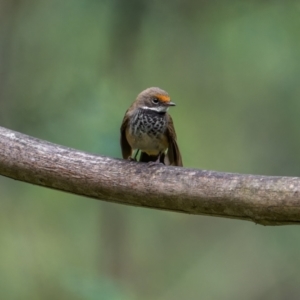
[{"x": 261, "y": 199}]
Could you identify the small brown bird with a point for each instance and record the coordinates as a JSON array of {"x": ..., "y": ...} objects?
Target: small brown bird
[{"x": 148, "y": 127}]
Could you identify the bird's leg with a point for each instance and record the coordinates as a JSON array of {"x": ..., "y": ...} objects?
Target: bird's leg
[
  {"x": 156, "y": 162},
  {"x": 158, "y": 159},
  {"x": 135, "y": 156}
]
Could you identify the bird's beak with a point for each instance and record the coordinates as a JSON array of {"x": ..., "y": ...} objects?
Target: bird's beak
[{"x": 170, "y": 104}]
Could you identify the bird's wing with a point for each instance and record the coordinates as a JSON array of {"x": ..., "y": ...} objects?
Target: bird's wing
[
  {"x": 125, "y": 147},
  {"x": 173, "y": 154}
]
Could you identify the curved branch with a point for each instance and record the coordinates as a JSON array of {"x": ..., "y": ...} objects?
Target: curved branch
[{"x": 264, "y": 200}]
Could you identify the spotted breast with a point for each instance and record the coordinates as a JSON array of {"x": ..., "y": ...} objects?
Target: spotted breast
[{"x": 147, "y": 128}]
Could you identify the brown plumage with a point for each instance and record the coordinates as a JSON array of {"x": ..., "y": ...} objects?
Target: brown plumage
[{"x": 148, "y": 127}]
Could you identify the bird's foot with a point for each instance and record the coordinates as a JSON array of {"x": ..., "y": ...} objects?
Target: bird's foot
[
  {"x": 132, "y": 159},
  {"x": 154, "y": 163}
]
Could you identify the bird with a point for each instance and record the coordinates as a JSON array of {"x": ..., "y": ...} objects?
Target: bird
[{"x": 148, "y": 127}]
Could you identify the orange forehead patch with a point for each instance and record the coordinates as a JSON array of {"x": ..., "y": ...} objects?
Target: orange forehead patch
[{"x": 163, "y": 98}]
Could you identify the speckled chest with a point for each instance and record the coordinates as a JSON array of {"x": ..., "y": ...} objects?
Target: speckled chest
[{"x": 148, "y": 122}]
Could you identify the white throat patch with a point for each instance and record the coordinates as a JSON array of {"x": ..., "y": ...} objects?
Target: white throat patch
[{"x": 158, "y": 108}]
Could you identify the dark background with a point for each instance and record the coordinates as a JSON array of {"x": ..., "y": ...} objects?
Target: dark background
[{"x": 68, "y": 72}]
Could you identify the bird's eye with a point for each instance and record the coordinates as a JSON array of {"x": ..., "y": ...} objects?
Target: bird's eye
[{"x": 155, "y": 100}]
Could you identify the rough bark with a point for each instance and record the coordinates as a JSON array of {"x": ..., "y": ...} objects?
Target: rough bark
[{"x": 262, "y": 199}]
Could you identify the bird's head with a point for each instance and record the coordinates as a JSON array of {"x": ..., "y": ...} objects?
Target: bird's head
[{"x": 154, "y": 99}]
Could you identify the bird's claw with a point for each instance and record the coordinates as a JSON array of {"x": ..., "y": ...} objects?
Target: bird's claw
[
  {"x": 132, "y": 159},
  {"x": 154, "y": 163}
]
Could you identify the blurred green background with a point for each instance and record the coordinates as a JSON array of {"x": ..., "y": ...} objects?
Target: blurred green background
[{"x": 68, "y": 72}]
